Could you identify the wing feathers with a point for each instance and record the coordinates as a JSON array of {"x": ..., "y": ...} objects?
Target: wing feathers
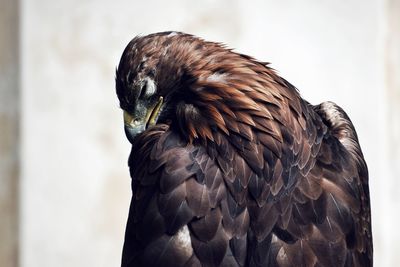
[{"x": 275, "y": 196}]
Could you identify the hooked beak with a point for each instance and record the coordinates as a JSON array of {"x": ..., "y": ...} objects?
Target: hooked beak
[{"x": 135, "y": 125}]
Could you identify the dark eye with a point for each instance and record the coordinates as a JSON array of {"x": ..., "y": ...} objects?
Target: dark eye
[
  {"x": 148, "y": 89},
  {"x": 151, "y": 73}
]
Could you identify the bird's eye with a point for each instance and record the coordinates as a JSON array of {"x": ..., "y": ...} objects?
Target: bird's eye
[
  {"x": 151, "y": 73},
  {"x": 148, "y": 89}
]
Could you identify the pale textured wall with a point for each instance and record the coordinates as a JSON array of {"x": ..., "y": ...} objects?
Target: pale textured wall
[
  {"x": 391, "y": 49},
  {"x": 75, "y": 184},
  {"x": 9, "y": 132}
]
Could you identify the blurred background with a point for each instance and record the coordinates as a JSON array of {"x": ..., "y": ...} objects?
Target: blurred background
[{"x": 64, "y": 182}]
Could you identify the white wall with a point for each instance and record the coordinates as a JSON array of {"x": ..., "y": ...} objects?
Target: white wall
[{"x": 75, "y": 185}]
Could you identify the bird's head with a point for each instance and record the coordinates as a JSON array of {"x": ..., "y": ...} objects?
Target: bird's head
[
  {"x": 196, "y": 87},
  {"x": 150, "y": 81}
]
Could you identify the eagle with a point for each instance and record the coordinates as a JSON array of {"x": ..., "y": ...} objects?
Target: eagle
[{"x": 230, "y": 166}]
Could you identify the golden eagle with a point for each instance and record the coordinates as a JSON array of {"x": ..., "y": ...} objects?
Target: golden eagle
[{"x": 231, "y": 167}]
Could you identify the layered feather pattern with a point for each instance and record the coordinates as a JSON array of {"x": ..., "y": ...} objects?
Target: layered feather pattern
[{"x": 240, "y": 170}]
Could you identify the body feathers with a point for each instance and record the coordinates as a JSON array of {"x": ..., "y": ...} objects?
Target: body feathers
[{"x": 240, "y": 170}]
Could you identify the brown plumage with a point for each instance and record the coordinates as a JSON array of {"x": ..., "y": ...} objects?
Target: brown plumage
[{"x": 239, "y": 170}]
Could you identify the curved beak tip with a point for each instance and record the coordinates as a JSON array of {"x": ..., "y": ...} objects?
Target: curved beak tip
[
  {"x": 131, "y": 132},
  {"x": 134, "y": 127}
]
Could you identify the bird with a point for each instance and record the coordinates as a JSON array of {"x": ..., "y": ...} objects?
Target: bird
[{"x": 230, "y": 166}]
